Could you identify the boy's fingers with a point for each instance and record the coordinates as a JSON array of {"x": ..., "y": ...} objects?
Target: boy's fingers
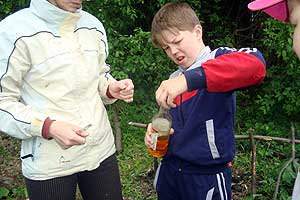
[
  {"x": 170, "y": 102},
  {"x": 171, "y": 131},
  {"x": 148, "y": 139}
]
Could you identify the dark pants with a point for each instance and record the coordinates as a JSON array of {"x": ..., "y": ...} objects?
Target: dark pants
[
  {"x": 102, "y": 183},
  {"x": 176, "y": 184}
]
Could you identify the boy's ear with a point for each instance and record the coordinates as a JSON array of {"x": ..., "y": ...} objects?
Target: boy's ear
[{"x": 198, "y": 31}]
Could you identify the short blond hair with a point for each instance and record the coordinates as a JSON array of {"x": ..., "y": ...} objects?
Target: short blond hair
[{"x": 173, "y": 17}]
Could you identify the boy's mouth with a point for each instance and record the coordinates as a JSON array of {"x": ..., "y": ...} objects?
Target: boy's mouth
[{"x": 180, "y": 59}]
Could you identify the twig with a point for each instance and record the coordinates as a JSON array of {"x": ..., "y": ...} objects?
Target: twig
[
  {"x": 139, "y": 125},
  {"x": 118, "y": 134},
  {"x": 292, "y": 159},
  {"x": 279, "y": 177},
  {"x": 293, "y": 146},
  {"x": 253, "y": 147},
  {"x": 268, "y": 138}
]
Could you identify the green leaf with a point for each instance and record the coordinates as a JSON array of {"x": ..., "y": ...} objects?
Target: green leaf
[{"x": 3, "y": 192}]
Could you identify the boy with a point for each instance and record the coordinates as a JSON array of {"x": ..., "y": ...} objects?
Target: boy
[
  {"x": 201, "y": 99},
  {"x": 282, "y": 10}
]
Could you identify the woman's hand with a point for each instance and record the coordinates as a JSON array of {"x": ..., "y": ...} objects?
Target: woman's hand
[
  {"x": 66, "y": 134},
  {"x": 123, "y": 90}
]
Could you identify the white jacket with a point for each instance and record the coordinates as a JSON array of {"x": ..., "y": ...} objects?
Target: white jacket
[{"x": 52, "y": 63}]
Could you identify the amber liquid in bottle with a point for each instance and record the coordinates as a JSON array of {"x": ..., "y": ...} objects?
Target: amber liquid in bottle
[
  {"x": 161, "y": 123},
  {"x": 161, "y": 147}
]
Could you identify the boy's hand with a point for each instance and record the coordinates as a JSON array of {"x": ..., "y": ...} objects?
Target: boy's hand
[
  {"x": 122, "y": 90},
  {"x": 169, "y": 90},
  {"x": 148, "y": 139}
]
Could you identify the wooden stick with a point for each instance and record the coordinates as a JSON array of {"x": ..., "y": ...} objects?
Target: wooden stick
[
  {"x": 268, "y": 138},
  {"x": 291, "y": 161},
  {"x": 279, "y": 178},
  {"x": 253, "y": 152},
  {"x": 118, "y": 134},
  {"x": 138, "y": 125}
]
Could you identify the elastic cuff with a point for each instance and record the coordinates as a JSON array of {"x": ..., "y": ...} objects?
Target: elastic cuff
[
  {"x": 195, "y": 79},
  {"x": 45, "y": 129},
  {"x": 108, "y": 94}
]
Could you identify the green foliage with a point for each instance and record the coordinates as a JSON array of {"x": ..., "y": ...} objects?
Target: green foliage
[
  {"x": 123, "y": 16},
  {"x": 269, "y": 161},
  {"x": 3, "y": 192},
  {"x": 138, "y": 59},
  {"x": 15, "y": 193},
  {"x": 9, "y": 6},
  {"x": 281, "y": 91},
  {"x": 2, "y": 150}
]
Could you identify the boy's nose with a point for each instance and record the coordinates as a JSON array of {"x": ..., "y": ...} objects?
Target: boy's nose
[{"x": 174, "y": 50}]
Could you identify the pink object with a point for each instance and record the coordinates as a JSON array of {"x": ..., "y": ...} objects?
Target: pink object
[{"x": 277, "y": 9}]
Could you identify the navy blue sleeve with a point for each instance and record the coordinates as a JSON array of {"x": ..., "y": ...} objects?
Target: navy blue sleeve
[{"x": 195, "y": 78}]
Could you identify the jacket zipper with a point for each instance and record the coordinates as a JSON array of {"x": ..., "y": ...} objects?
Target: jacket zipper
[{"x": 181, "y": 113}]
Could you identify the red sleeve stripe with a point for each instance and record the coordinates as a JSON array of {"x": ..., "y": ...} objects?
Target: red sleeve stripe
[
  {"x": 185, "y": 96},
  {"x": 233, "y": 71}
]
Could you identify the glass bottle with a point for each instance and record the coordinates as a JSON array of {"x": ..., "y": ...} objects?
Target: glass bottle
[{"x": 161, "y": 124}]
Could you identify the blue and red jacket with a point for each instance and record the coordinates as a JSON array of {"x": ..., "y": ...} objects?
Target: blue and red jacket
[{"x": 203, "y": 119}]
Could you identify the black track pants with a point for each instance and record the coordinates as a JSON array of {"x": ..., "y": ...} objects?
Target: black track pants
[{"x": 102, "y": 183}]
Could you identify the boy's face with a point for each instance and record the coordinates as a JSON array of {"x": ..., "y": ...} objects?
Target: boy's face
[
  {"x": 67, "y": 5},
  {"x": 183, "y": 47}
]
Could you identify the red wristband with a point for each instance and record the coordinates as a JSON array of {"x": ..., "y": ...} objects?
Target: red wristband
[
  {"x": 45, "y": 129},
  {"x": 108, "y": 94}
]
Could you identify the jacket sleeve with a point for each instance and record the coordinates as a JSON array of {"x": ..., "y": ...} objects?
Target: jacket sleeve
[
  {"x": 230, "y": 70},
  {"x": 105, "y": 80},
  {"x": 16, "y": 119},
  {"x": 105, "y": 76}
]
